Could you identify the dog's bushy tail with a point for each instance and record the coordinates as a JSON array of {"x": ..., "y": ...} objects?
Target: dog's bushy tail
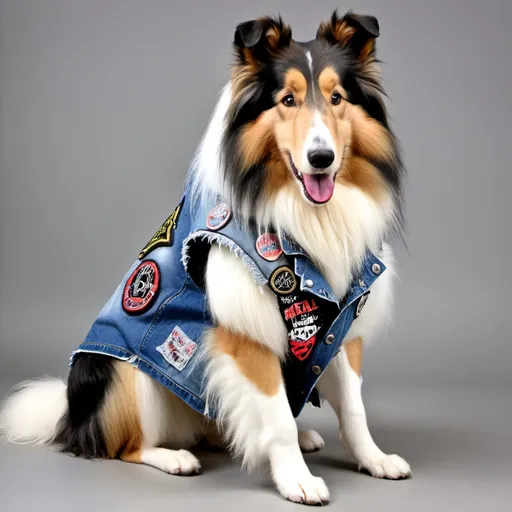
[{"x": 31, "y": 413}]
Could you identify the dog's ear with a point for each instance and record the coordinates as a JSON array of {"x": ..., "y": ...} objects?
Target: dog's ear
[
  {"x": 259, "y": 41},
  {"x": 354, "y": 32}
]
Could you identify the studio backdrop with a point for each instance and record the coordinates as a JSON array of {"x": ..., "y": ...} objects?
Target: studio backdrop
[{"x": 103, "y": 103}]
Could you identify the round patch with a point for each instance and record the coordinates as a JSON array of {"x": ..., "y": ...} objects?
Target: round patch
[
  {"x": 283, "y": 281},
  {"x": 218, "y": 217},
  {"x": 141, "y": 288},
  {"x": 269, "y": 247}
]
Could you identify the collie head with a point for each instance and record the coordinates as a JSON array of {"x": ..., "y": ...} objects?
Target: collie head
[{"x": 300, "y": 139}]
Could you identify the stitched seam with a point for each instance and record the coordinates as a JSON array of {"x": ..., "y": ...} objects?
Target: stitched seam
[{"x": 159, "y": 314}]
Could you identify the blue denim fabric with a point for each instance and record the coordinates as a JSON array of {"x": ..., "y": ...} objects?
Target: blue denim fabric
[{"x": 181, "y": 302}]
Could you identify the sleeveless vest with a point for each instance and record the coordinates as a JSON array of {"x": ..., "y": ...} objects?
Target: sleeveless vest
[{"x": 158, "y": 315}]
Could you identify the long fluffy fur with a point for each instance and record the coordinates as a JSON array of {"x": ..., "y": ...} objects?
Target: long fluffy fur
[{"x": 32, "y": 412}]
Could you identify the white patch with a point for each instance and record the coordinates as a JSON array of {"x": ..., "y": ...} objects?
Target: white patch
[
  {"x": 341, "y": 387},
  {"x": 310, "y": 61},
  {"x": 319, "y": 137},
  {"x": 258, "y": 426},
  {"x": 177, "y": 349},
  {"x": 32, "y": 412},
  {"x": 165, "y": 418},
  {"x": 238, "y": 303}
]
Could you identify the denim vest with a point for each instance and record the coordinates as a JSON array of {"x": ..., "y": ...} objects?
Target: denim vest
[{"x": 158, "y": 315}]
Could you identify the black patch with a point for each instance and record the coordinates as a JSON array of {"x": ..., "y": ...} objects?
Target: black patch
[
  {"x": 307, "y": 318},
  {"x": 141, "y": 288},
  {"x": 79, "y": 431},
  {"x": 283, "y": 281},
  {"x": 164, "y": 236}
]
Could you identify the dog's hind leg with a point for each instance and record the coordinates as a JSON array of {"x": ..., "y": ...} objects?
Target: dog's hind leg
[
  {"x": 116, "y": 411},
  {"x": 165, "y": 420},
  {"x": 340, "y": 385}
]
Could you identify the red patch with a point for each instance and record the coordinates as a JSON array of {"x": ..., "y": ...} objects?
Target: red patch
[
  {"x": 218, "y": 217},
  {"x": 141, "y": 288},
  {"x": 302, "y": 341},
  {"x": 269, "y": 247},
  {"x": 299, "y": 308},
  {"x": 302, "y": 349}
]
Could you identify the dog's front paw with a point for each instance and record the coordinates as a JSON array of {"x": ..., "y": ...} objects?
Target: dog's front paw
[
  {"x": 392, "y": 467},
  {"x": 310, "y": 441},
  {"x": 306, "y": 489}
]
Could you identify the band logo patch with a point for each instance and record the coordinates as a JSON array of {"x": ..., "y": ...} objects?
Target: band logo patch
[
  {"x": 164, "y": 236},
  {"x": 269, "y": 247},
  {"x": 361, "y": 303},
  {"x": 177, "y": 349},
  {"x": 283, "y": 281},
  {"x": 141, "y": 288},
  {"x": 218, "y": 217}
]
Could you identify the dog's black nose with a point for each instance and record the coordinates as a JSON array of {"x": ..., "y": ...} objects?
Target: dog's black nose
[{"x": 320, "y": 158}]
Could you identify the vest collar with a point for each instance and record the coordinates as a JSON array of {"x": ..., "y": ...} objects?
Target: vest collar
[{"x": 312, "y": 280}]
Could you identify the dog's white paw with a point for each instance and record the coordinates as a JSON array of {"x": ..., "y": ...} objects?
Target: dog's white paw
[
  {"x": 174, "y": 462},
  {"x": 310, "y": 441},
  {"x": 392, "y": 467},
  {"x": 306, "y": 488},
  {"x": 184, "y": 463}
]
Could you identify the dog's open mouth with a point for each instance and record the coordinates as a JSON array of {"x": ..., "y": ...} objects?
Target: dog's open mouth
[{"x": 318, "y": 187}]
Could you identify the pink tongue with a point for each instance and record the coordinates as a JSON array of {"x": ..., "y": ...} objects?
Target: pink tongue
[{"x": 319, "y": 186}]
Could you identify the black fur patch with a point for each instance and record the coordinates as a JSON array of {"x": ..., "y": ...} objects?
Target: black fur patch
[{"x": 80, "y": 431}]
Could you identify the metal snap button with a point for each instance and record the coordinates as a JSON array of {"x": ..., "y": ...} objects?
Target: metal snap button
[
  {"x": 316, "y": 369},
  {"x": 329, "y": 339},
  {"x": 309, "y": 283},
  {"x": 376, "y": 268}
]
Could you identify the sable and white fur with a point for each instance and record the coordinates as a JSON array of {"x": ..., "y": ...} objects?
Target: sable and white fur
[{"x": 254, "y": 415}]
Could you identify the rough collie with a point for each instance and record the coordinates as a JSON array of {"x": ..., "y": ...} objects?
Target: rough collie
[{"x": 257, "y": 293}]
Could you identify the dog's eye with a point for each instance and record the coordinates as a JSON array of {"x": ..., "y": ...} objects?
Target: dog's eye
[
  {"x": 336, "y": 98},
  {"x": 288, "y": 100}
]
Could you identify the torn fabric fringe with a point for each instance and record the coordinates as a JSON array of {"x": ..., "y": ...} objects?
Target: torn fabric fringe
[{"x": 224, "y": 242}]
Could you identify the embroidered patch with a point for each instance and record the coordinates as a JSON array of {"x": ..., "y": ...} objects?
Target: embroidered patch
[
  {"x": 141, "y": 288},
  {"x": 164, "y": 235},
  {"x": 302, "y": 322},
  {"x": 177, "y": 349},
  {"x": 302, "y": 340},
  {"x": 360, "y": 304},
  {"x": 300, "y": 308},
  {"x": 269, "y": 247},
  {"x": 283, "y": 280},
  {"x": 218, "y": 217}
]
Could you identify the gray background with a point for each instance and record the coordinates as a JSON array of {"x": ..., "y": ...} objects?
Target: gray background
[{"x": 102, "y": 104}]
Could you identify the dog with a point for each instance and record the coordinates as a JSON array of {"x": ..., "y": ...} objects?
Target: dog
[{"x": 256, "y": 294}]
